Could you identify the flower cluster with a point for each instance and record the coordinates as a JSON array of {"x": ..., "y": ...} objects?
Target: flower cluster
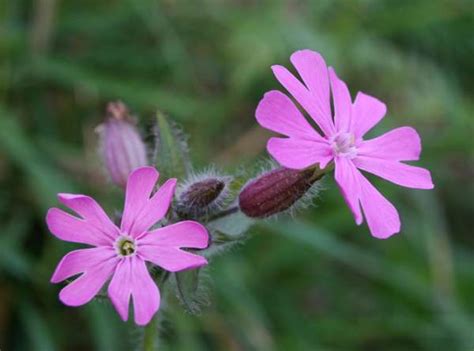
[{"x": 159, "y": 233}]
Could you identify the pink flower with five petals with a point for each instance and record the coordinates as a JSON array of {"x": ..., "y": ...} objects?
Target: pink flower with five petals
[
  {"x": 342, "y": 140},
  {"x": 122, "y": 252}
]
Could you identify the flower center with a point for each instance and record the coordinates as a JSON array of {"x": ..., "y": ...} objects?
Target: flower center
[
  {"x": 343, "y": 144},
  {"x": 125, "y": 246}
]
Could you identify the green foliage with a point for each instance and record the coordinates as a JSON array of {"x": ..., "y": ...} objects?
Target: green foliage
[
  {"x": 170, "y": 149},
  {"x": 318, "y": 282}
]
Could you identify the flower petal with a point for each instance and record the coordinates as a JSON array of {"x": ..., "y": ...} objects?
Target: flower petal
[
  {"x": 278, "y": 113},
  {"x": 367, "y": 111},
  {"x": 80, "y": 261},
  {"x": 342, "y": 102},
  {"x": 96, "y": 266},
  {"x": 382, "y": 217},
  {"x": 92, "y": 214},
  {"x": 314, "y": 72},
  {"x": 347, "y": 177},
  {"x": 131, "y": 278},
  {"x": 314, "y": 97},
  {"x": 120, "y": 289},
  {"x": 400, "y": 144},
  {"x": 145, "y": 293},
  {"x": 69, "y": 228},
  {"x": 163, "y": 246},
  {"x": 298, "y": 153},
  {"x": 190, "y": 234},
  {"x": 156, "y": 208},
  {"x": 141, "y": 212},
  {"x": 140, "y": 184},
  {"x": 396, "y": 172},
  {"x": 172, "y": 260}
]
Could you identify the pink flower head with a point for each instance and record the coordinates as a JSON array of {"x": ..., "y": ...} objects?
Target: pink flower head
[
  {"x": 342, "y": 140},
  {"x": 121, "y": 252}
]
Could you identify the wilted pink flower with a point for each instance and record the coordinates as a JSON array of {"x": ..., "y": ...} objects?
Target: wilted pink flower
[
  {"x": 342, "y": 140},
  {"x": 121, "y": 253},
  {"x": 122, "y": 148}
]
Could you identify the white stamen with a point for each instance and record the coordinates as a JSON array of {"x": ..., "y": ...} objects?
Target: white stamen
[{"x": 343, "y": 144}]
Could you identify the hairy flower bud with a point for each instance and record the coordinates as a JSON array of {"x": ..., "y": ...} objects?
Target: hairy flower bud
[
  {"x": 276, "y": 191},
  {"x": 123, "y": 149},
  {"x": 201, "y": 195}
]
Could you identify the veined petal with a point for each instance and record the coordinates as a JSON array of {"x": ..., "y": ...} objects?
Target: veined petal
[
  {"x": 131, "y": 279},
  {"x": 190, "y": 234},
  {"x": 400, "y": 144},
  {"x": 314, "y": 72},
  {"x": 163, "y": 246},
  {"x": 140, "y": 184},
  {"x": 120, "y": 289},
  {"x": 69, "y": 228},
  {"x": 396, "y": 172},
  {"x": 342, "y": 102},
  {"x": 91, "y": 212},
  {"x": 156, "y": 208},
  {"x": 347, "y": 177},
  {"x": 145, "y": 293},
  {"x": 80, "y": 261},
  {"x": 305, "y": 98},
  {"x": 367, "y": 111},
  {"x": 382, "y": 217},
  {"x": 298, "y": 153},
  {"x": 141, "y": 211},
  {"x": 172, "y": 260},
  {"x": 96, "y": 266},
  {"x": 278, "y": 113}
]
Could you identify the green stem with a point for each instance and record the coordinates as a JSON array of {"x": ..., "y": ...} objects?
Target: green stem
[
  {"x": 319, "y": 173},
  {"x": 150, "y": 338},
  {"x": 224, "y": 213}
]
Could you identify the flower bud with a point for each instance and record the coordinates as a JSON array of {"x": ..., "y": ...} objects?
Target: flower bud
[
  {"x": 123, "y": 150},
  {"x": 276, "y": 191},
  {"x": 201, "y": 196}
]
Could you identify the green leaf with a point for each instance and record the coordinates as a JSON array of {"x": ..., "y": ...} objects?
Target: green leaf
[
  {"x": 171, "y": 149},
  {"x": 187, "y": 286}
]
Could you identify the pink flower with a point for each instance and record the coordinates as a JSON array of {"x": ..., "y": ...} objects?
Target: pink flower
[
  {"x": 342, "y": 139},
  {"x": 122, "y": 147},
  {"x": 121, "y": 253}
]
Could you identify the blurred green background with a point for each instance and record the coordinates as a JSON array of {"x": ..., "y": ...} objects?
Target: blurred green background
[{"x": 315, "y": 283}]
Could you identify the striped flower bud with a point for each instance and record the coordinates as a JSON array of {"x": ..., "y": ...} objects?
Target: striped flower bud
[
  {"x": 201, "y": 196},
  {"x": 276, "y": 191},
  {"x": 123, "y": 149}
]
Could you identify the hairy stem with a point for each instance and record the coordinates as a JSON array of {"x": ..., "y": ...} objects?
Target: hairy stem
[{"x": 226, "y": 212}]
